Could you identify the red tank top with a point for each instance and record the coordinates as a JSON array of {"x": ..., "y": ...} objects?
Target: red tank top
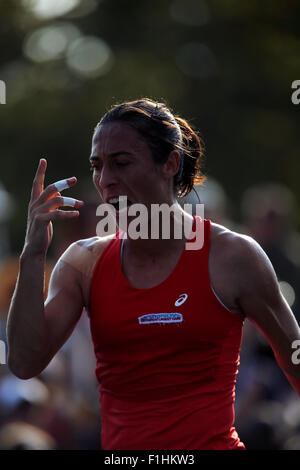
[{"x": 167, "y": 357}]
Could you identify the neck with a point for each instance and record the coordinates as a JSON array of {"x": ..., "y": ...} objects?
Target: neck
[{"x": 165, "y": 242}]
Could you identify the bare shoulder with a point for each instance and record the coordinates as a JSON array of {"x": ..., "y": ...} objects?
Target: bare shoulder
[
  {"x": 243, "y": 259},
  {"x": 75, "y": 267},
  {"x": 82, "y": 255},
  {"x": 233, "y": 245}
]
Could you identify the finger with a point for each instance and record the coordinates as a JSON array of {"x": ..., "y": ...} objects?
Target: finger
[
  {"x": 38, "y": 182},
  {"x": 64, "y": 184},
  {"x": 55, "y": 188},
  {"x": 59, "y": 201},
  {"x": 69, "y": 201},
  {"x": 58, "y": 215}
]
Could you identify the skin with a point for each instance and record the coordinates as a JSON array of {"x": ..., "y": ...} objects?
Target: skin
[{"x": 240, "y": 272}]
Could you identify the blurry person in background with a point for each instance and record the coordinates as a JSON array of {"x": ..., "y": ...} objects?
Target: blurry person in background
[
  {"x": 46, "y": 404},
  {"x": 27, "y": 416},
  {"x": 166, "y": 380},
  {"x": 268, "y": 215},
  {"x": 6, "y": 211},
  {"x": 23, "y": 436},
  {"x": 216, "y": 203}
]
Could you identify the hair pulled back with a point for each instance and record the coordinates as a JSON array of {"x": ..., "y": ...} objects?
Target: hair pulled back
[{"x": 163, "y": 133}]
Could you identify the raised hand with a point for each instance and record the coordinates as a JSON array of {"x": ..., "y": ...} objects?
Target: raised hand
[{"x": 43, "y": 209}]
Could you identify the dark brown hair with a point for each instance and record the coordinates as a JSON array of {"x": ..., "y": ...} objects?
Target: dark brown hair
[{"x": 163, "y": 132}]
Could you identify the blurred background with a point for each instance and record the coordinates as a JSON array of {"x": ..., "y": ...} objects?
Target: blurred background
[{"x": 227, "y": 67}]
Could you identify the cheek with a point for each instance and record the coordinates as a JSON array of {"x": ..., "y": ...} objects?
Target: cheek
[
  {"x": 152, "y": 180},
  {"x": 96, "y": 179}
]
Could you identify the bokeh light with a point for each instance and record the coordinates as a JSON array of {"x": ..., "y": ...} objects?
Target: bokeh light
[
  {"x": 47, "y": 9},
  {"x": 288, "y": 292},
  {"x": 90, "y": 57},
  {"x": 50, "y": 42}
]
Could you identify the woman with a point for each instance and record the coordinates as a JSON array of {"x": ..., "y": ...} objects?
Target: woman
[{"x": 166, "y": 322}]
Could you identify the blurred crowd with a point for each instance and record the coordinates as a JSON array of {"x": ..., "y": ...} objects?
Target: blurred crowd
[{"x": 60, "y": 408}]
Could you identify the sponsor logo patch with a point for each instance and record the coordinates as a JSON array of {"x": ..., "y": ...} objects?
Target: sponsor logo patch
[{"x": 161, "y": 318}]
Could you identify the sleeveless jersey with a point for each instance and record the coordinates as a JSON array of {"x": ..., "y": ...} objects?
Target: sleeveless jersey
[{"x": 167, "y": 356}]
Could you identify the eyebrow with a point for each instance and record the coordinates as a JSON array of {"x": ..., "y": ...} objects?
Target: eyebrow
[{"x": 114, "y": 154}]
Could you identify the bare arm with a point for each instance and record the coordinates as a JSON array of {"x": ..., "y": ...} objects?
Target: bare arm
[
  {"x": 262, "y": 302},
  {"x": 36, "y": 332}
]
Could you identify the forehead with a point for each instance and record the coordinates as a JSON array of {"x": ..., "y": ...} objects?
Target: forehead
[{"x": 117, "y": 136}]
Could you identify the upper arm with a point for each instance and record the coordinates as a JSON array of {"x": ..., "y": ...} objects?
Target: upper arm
[
  {"x": 262, "y": 302},
  {"x": 64, "y": 303},
  {"x": 69, "y": 288}
]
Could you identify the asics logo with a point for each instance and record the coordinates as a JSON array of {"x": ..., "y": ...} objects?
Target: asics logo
[{"x": 181, "y": 299}]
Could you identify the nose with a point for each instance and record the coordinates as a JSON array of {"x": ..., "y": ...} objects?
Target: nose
[{"x": 106, "y": 178}]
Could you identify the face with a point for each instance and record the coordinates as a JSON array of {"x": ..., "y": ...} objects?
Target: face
[{"x": 123, "y": 166}]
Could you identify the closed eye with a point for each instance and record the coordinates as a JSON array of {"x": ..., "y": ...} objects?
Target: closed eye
[{"x": 116, "y": 163}]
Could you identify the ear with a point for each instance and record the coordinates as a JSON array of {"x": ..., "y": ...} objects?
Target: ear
[{"x": 171, "y": 166}]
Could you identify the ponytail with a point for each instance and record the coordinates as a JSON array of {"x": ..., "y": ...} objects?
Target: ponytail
[{"x": 192, "y": 153}]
